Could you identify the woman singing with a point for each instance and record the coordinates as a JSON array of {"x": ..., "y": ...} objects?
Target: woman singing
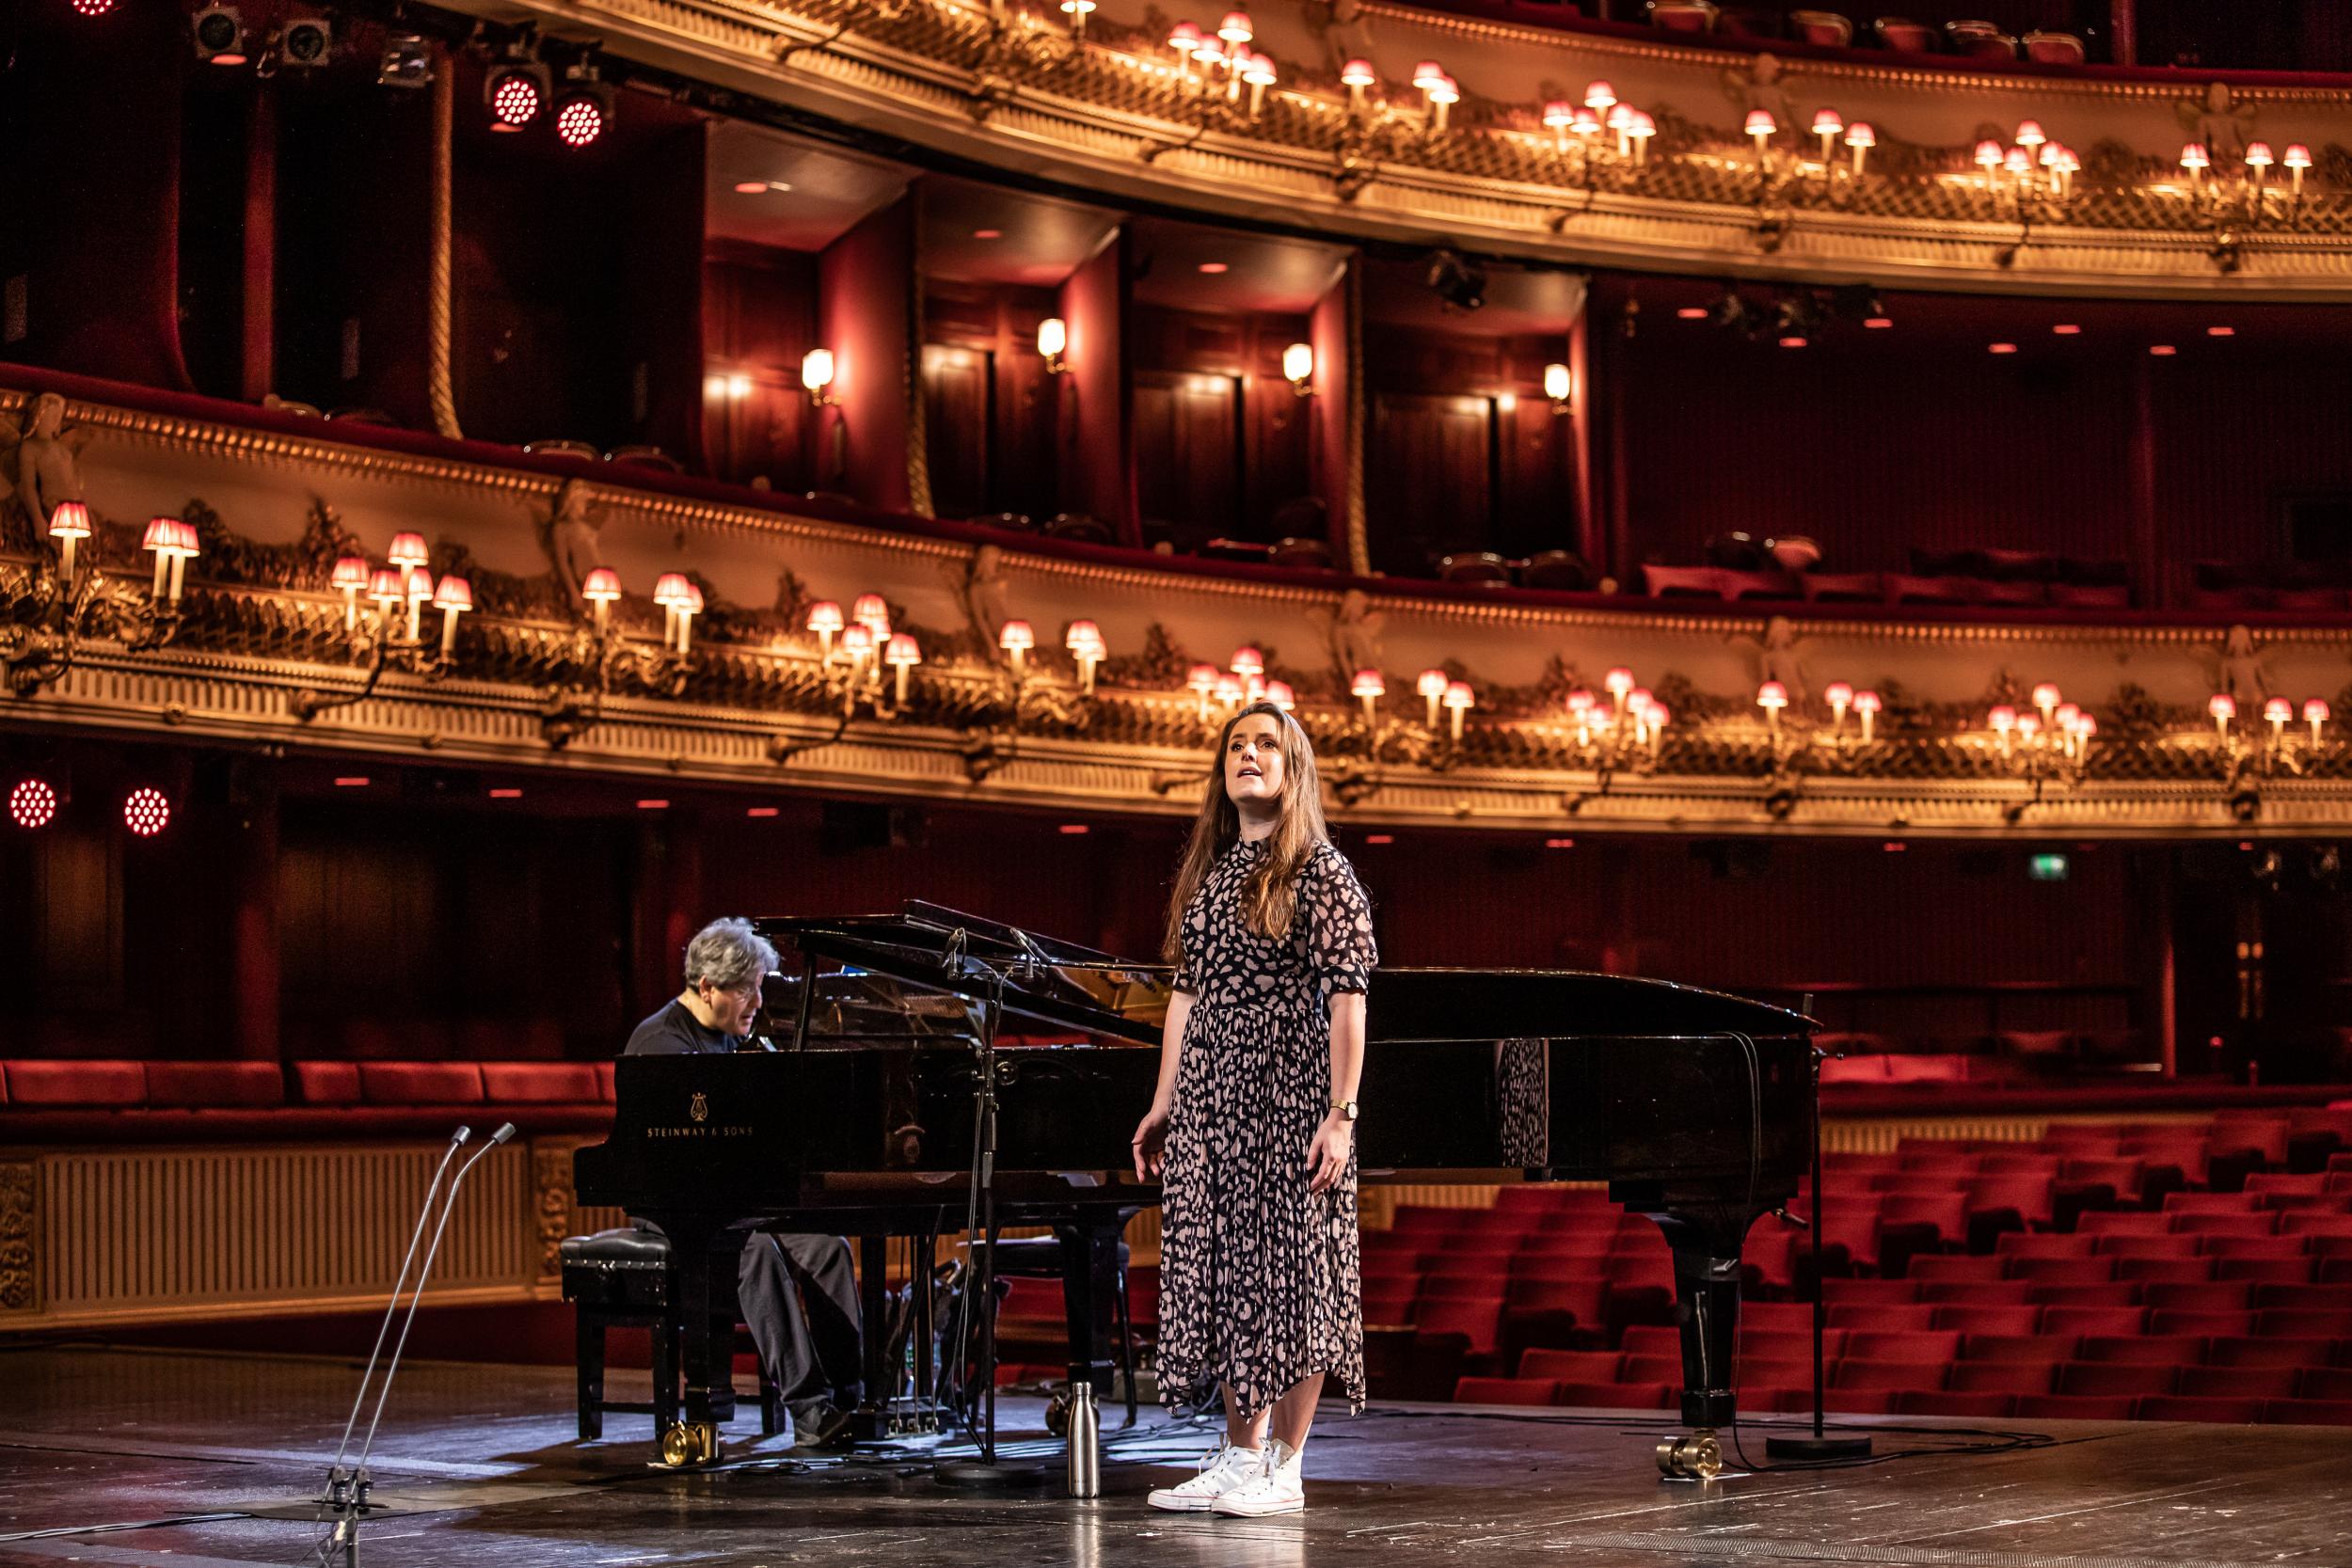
[{"x": 1252, "y": 1131}]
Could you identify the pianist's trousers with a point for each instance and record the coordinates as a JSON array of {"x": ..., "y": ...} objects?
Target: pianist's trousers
[{"x": 798, "y": 1296}]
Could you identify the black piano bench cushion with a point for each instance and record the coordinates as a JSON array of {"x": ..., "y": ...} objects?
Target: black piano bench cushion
[{"x": 626, "y": 1269}]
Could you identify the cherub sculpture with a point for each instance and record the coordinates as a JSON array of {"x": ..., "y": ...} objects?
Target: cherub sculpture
[
  {"x": 568, "y": 535},
  {"x": 2219, "y": 120},
  {"x": 36, "y": 460}
]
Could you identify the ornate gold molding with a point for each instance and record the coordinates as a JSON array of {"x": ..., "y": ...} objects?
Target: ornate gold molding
[{"x": 20, "y": 1238}]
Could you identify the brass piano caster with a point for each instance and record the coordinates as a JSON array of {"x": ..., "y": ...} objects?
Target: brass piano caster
[
  {"x": 1697, "y": 1457},
  {"x": 690, "y": 1443},
  {"x": 1057, "y": 1412}
]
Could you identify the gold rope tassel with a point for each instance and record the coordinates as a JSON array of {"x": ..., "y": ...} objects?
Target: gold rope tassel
[{"x": 438, "y": 388}]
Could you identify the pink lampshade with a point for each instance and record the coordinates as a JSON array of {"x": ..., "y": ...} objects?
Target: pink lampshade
[
  {"x": 1598, "y": 95},
  {"x": 1016, "y": 635},
  {"x": 1432, "y": 683},
  {"x": 1428, "y": 73},
  {"x": 454, "y": 592},
  {"x": 2298, "y": 156},
  {"x": 1458, "y": 694},
  {"x": 869, "y": 608},
  {"x": 407, "y": 550},
  {"x": 824, "y": 615},
  {"x": 1585, "y": 122},
  {"x": 1658, "y": 716},
  {"x": 1620, "y": 116},
  {"x": 670, "y": 591},
  {"x": 1772, "y": 694},
  {"x": 1082, "y": 634},
  {"x": 692, "y": 603},
  {"x": 1580, "y": 701},
  {"x": 1202, "y": 677},
  {"x": 2018, "y": 160},
  {"x": 1229, "y": 690},
  {"x": 2003, "y": 719},
  {"x": 1559, "y": 113},
  {"x": 1209, "y": 51},
  {"x": 1259, "y": 71},
  {"x": 2314, "y": 711},
  {"x": 351, "y": 573},
  {"x": 2065, "y": 715},
  {"x": 1236, "y": 27},
  {"x": 1445, "y": 89},
  {"x": 902, "y": 650},
  {"x": 2258, "y": 155},
  {"x": 419, "y": 585},
  {"x": 2278, "y": 710},
  {"x": 1761, "y": 123},
  {"x": 1640, "y": 125},
  {"x": 1638, "y": 699},
  {"x": 2028, "y": 726},
  {"x": 2222, "y": 705},
  {"x": 1828, "y": 123},
  {"x": 1866, "y": 702},
  {"x": 1618, "y": 681},
  {"x": 1281, "y": 695},
  {"x": 383, "y": 587},
  {"x": 2029, "y": 133},
  {"x": 857, "y": 639},
  {"x": 2194, "y": 156},
  {"x": 1248, "y": 660},
  {"x": 160, "y": 533},
  {"x": 2086, "y": 726},
  {"x": 1358, "y": 73},
  {"x": 602, "y": 587},
  {"x": 1988, "y": 153},
  {"x": 1184, "y": 35},
  {"x": 2045, "y": 695},
  {"x": 1860, "y": 134},
  {"x": 1839, "y": 694},
  {"x": 68, "y": 520},
  {"x": 1368, "y": 682},
  {"x": 183, "y": 540}
]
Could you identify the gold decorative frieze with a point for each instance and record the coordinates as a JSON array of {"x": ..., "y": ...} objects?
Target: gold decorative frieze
[
  {"x": 1695, "y": 159},
  {"x": 604, "y": 628}
]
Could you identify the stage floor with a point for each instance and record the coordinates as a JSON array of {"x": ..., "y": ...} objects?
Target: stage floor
[{"x": 481, "y": 1464}]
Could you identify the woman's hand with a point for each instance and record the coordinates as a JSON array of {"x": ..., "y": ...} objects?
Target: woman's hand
[
  {"x": 1326, "y": 1156},
  {"x": 1151, "y": 1143}
]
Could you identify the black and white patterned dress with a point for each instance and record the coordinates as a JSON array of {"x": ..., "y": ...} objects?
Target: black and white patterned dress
[{"x": 1259, "y": 1282}]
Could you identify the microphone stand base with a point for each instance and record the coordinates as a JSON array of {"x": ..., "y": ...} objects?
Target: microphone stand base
[
  {"x": 1817, "y": 1447},
  {"x": 973, "y": 1475}
]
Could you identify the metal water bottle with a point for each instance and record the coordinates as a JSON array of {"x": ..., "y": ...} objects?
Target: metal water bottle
[{"x": 1086, "y": 1454}]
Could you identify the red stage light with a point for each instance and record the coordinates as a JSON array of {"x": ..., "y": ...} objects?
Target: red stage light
[
  {"x": 2001, "y": 348},
  {"x": 506, "y": 795},
  {"x": 1559, "y": 844},
  {"x": 1691, "y": 314},
  {"x": 760, "y": 811},
  {"x": 580, "y": 120},
  {"x": 1073, "y": 827},
  {"x": 32, "y": 803},
  {"x": 2162, "y": 351},
  {"x": 1380, "y": 838},
  {"x": 515, "y": 96},
  {"x": 653, "y": 805},
  {"x": 351, "y": 781},
  {"x": 2067, "y": 329},
  {"x": 146, "y": 811}
]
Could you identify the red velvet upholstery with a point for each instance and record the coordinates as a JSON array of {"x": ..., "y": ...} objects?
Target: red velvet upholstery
[
  {"x": 110, "y": 1084},
  {"x": 540, "y": 1083},
  {"x": 604, "y": 1081},
  {"x": 216, "y": 1084},
  {"x": 327, "y": 1082},
  {"x": 421, "y": 1083}
]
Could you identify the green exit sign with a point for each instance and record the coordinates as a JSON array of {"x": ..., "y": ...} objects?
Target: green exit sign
[{"x": 2047, "y": 868}]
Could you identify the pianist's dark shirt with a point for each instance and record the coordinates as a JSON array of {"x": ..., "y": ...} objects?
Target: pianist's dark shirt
[{"x": 675, "y": 1032}]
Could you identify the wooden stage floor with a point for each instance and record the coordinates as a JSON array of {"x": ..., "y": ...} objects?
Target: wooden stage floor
[{"x": 479, "y": 1461}]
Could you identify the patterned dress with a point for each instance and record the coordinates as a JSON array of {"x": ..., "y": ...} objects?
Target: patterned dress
[{"x": 1259, "y": 1283}]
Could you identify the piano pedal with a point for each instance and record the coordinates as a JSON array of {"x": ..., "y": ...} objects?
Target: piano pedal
[
  {"x": 1698, "y": 1456},
  {"x": 687, "y": 1443}
]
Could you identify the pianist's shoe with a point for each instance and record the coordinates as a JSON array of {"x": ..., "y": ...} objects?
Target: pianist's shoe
[
  {"x": 1276, "y": 1489},
  {"x": 1225, "y": 1468}
]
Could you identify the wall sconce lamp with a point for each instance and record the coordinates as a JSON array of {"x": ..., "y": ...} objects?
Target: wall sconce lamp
[
  {"x": 1299, "y": 369},
  {"x": 1053, "y": 338},
  {"x": 817, "y": 375},
  {"x": 1557, "y": 387}
]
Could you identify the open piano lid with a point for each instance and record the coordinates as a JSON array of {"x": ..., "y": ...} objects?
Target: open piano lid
[{"x": 1080, "y": 988}]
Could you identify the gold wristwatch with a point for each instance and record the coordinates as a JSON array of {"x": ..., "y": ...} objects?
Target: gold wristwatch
[{"x": 1345, "y": 1108}]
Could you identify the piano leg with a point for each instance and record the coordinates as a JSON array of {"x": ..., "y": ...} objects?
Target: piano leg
[
  {"x": 697, "y": 1252},
  {"x": 870, "y": 1422},
  {"x": 1089, "y": 1251},
  {"x": 1705, "y": 1237}
]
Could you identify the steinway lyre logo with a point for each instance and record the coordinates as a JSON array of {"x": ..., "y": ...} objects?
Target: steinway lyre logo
[{"x": 699, "y": 1107}]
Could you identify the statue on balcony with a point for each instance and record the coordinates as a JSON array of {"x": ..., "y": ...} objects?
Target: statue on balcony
[
  {"x": 980, "y": 593},
  {"x": 38, "y": 461},
  {"x": 2224, "y": 123},
  {"x": 569, "y": 537},
  {"x": 2239, "y": 671},
  {"x": 1352, "y": 633},
  {"x": 1778, "y": 655}
]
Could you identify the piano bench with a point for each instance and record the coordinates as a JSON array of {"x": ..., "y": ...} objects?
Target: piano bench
[
  {"x": 621, "y": 1279},
  {"x": 1041, "y": 1257}
]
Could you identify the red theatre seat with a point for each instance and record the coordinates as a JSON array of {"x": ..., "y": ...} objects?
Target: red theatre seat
[
  {"x": 421, "y": 1083},
  {"x": 1615, "y": 1396},
  {"x": 1506, "y": 1390},
  {"x": 2185, "y": 1407},
  {"x": 539, "y": 1082},
  {"x": 250, "y": 1084},
  {"x": 97, "y": 1084}
]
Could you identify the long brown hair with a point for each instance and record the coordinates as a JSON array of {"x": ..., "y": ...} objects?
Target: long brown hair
[{"x": 1268, "y": 898}]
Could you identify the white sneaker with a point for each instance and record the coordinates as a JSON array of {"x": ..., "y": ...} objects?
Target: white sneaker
[
  {"x": 1224, "y": 1469},
  {"x": 1276, "y": 1489}
]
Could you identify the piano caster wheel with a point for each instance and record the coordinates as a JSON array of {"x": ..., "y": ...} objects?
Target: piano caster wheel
[
  {"x": 1698, "y": 1456},
  {"x": 689, "y": 1443},
  {"x": 1057, "y": 1412}
]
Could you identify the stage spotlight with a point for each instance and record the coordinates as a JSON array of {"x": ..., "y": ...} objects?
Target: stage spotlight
[
  {"x": 221, "y": 36},
  {"x": 515, "y": 93},
  {"x": 404, "y": 63},
  {"x": 1463, "y": 287},
  {"x": 92, "y": 7},
  {"x": 583, "y": 110},
  {"x": 146, "y": 811},
  {"x": 32, "y": 803},
  {"x": 306, "y": 42}
]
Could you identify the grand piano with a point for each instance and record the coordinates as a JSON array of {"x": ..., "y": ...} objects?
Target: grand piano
[{"x": 854, "y": 1111}]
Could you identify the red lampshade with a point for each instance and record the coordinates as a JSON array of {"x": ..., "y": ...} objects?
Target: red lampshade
[
  {"x": 1866, "y": 702},
  {"x": 1860, "y": 134},
  {"x": 2258, "y": 155},
  {"x": 1358, "y": 73},
  {"x": 419, "y": 585},
  {"x": 1580, "y": 701},
  {"x": 2193, "y": 156},
  {"x": 455, "y": 593},
  {"x": 2003, "y": 719},
  {"x": 1248, "y": 660},
  {"x": 1559, "y": 113},
  {"x": 351, "y": 573},
  {"x": 68, "y": 520},
  {"x": 1585, "y": 122},
  {"x": 670, "y": 589},
  {"x": 2298, "y": 156},
  {"x": 1432, "y": 683},
  {"x": 383, "y": 587},
  {"x": 1761, "y": 123},
  {"x": 692, "y": 603},
  {"x": 602, "y": 587},
  {"x": 2222, "y": 705},
  {"x": 1428, "y": 73},
  {"x": 824, "y": 615},
  {"x": 1598, "y": 95},
  {"x": 407, "y": 550},
  {"x": 1236, "y": 27},
  {"x": 1082, "y": 634},
  {"x": 160, "y": 533},
  {"x": 1618, "y": 681},
  {"x": 1827, "y": 122},
  {"x": 2278, "y": 710},
  {"x": 1202, "y": 677},
  {"x": 902, "y": 650},
  {"x": 857, "y": 640},
  {"x": 1184, "y": 35},
  {"x": 1016, "y": 635},
  {"x": 1281, "y": 695},
  {"x": 869, "y": 608},
  {"x": 1988, "y": 154},
  {"x": 1458, "y": 694},
  {"x": 1229, "y": 690},
  {"x": 2045, "y": 695},
  {"x": 1368, "y": 682},
  {"x": 1839, "y": 694},
  {"x": 1772, "y": 694},
  {"x": 2314, "y": 711},
  {"x": 2029, "y": 133}
]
